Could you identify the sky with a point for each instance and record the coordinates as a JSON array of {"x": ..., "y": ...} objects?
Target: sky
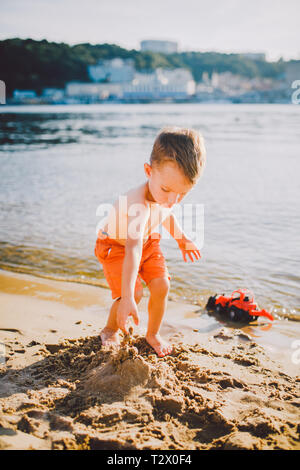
[{"x": 269, "y": 26}]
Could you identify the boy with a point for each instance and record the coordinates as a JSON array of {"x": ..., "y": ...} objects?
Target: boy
[{"x": 127, "y": 245}]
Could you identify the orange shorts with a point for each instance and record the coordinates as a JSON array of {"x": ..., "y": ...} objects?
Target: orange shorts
[{"x": 111, "y": 254}]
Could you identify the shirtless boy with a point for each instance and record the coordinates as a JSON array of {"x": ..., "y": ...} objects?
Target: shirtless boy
[{"x": 128, "y": 246}]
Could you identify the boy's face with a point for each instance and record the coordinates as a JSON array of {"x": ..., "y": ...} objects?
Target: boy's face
[{"x": 167, "y": 184}]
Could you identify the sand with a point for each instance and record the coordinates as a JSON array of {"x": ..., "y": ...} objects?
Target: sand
[{"x": 222, "y": 388}]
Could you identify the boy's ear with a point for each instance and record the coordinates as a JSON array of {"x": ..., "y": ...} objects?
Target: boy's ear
[{"x": 147, "y": 169}]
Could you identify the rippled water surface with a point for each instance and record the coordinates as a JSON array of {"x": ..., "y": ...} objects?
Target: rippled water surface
[{"x": 59, "y": 163}]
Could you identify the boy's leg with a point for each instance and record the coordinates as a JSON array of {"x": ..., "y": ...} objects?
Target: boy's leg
[
  {"x": 109, "y": 334},
  {"x": 159, "y": 288}
]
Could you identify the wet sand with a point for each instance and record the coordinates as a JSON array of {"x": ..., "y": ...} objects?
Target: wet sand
[{"x": 222, "y": 388}]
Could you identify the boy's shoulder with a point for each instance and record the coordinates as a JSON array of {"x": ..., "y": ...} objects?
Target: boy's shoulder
[{"x": 136, "y": 195}]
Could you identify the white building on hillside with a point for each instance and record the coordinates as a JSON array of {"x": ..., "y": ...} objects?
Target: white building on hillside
[
  {"x": 160, "y": 84},
  {"x": 112, "y": 71},
  {"x": 53, "y": 94},
  {"x": 24, "y": 94},
  {"x": 164, "y": 47},
  {"x": 93, "y": 91}
]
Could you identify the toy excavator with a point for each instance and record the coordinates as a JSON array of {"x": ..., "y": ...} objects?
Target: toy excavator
[{"x": 239, "y": 307}]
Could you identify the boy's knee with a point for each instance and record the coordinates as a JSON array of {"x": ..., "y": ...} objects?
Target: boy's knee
[{"x": 159, "y": 286}]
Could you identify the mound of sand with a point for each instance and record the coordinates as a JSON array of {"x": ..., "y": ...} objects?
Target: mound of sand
[
  {"x": 121, "y": 374},
  {"x": 225, "y": 394}
]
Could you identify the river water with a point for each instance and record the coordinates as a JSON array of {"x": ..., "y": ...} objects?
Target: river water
[{"x": 59, "y": 163}]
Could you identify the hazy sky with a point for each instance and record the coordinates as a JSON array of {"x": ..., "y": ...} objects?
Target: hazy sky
[{"x": 270, "y": 26}]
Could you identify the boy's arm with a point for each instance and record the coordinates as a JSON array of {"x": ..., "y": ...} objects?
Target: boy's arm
[
  {"x": 186, "y": 245},
  {"x": 133, "y": 250},
  {"x": 172, "y": 226},
  {"x": 132, "y": 258}
]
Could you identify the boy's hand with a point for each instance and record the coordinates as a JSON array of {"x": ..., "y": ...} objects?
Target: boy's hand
[
  {"x": 188, "y": 247},
  {"x": 127, "y": 307}
]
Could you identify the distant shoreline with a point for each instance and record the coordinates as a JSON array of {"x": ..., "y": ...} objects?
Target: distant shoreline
[
  {"x": 115, "y": 103},
  {"x": 152, "y": 101}
]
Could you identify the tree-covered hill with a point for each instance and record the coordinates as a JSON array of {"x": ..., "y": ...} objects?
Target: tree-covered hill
[{"x": 30, "y": 64}]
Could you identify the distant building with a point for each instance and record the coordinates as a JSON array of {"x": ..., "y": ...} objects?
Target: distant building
[
  {"x": 24, "y": 94},
  {"x": 233, "y": 84},
  {"x": 112, "y": 71},
  {"x": 230, "y": 83},
  {"x": 292, "y": 72},
  {"x": 205, "y": 78},
  {"x": 254, "y": 55},
  {"x": 165, "y": 47},
  {"x": 92, "y": 92},
  {"x": 53, "y": 94},
  {"x": 161, "y": 84},
  {"x": 215, "y": 80},
  {"x": 203, "y": 88}
]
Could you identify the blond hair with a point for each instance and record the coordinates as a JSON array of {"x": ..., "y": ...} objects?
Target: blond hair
[{"x": 183, "y": 146}]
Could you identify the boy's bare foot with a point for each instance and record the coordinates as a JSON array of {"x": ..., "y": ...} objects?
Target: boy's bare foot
[
  {"x": 109, "y": 337},
  {"x": 160, "y": 346}
]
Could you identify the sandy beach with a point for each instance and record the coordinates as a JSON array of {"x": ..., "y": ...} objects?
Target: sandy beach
[{"x": 222, "y": 388}]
